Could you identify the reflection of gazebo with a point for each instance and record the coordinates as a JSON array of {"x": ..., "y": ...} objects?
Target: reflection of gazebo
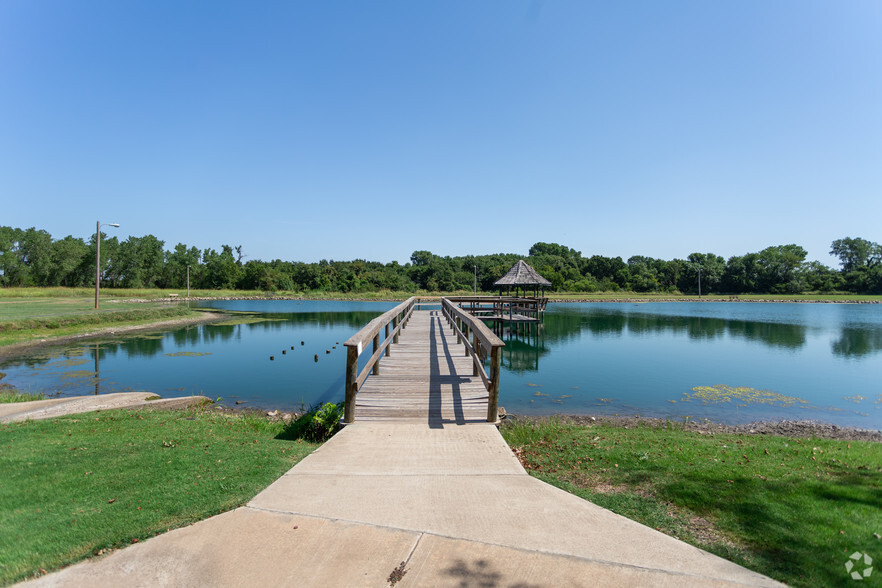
[{"x": 522, "y": 276}]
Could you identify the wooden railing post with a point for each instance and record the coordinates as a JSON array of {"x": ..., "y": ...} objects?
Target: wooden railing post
[
  {"x": 395, "y": 326},
  {"x": 476, "y": 344},
  {"x": 351, "y": 384},
  {"x": 376, "y": 369},
  {"x": 493, "y": 399},
  {"x": 388, "y": 347}
]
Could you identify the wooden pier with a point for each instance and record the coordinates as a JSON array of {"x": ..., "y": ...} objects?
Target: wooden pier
[
  {"x": 503, "y": 309},
  {"x": 428, "y": 367}
]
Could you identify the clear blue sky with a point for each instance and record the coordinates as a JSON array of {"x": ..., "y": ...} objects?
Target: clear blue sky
[{"x": 343, "y": 130}]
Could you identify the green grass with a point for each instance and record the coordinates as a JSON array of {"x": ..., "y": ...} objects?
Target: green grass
[
  {"x": 77, "y": 485},
  {"x": 8, "y": 395},
  {"x": 793, "y": 509}
]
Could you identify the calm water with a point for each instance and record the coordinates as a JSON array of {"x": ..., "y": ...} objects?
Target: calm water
[{"x": 767, "y": 361}]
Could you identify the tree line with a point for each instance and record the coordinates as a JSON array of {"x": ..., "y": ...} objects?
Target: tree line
[{"x": 31, "y": 257}]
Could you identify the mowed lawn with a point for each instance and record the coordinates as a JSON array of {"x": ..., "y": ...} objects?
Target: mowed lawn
[
  {"x": 793, "y": 509},
  {"x": 75, "y": 486}
]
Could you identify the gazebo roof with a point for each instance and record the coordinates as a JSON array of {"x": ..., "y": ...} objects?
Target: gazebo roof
[{"x": 521, "y": 274}]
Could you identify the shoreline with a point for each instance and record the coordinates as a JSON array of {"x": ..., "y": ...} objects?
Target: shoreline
[
  {"x": 17, "y": 348},
  {"x": 804, "y": 429},
  {"x": 437, "y": 298},
  {"x": 783, "y": 428}
]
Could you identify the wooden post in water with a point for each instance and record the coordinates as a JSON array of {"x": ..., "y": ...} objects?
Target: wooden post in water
[
  {"x": 493, "y": 398},
  {"x": 351, "y": 384}
]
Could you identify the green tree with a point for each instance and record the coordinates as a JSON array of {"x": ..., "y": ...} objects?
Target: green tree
[
  {"x": 712, "y": 268},
  {"x": 856, "y": 253},
  {"x": 780, "y": 269},
  {"x": 69, "y": 263},
  {"x": 221, "y": 270},
  {"x": 12, "y": 268},
  {"x": 174, "y": 273},
  {"x": 139, "y": 262}
]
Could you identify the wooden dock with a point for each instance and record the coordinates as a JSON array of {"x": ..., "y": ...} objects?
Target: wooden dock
[
  {"x": 427, "y": 378},
  {"x": 432, "y": 368}
]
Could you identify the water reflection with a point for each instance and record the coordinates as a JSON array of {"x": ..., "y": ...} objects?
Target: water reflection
[
  {"x": 583, "y": 358},
  {"x": 565, "y": 324},
  {"x": 858, "y": 343}
]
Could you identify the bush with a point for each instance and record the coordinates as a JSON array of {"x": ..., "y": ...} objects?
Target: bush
[{"x": 317, "y": 424}]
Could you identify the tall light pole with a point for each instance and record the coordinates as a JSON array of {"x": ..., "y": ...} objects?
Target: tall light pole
[
  {"x": 699, "y": 282},
  {"x": 188, "y": 281},
  {"x": 98, "y": 258},
  {"x": 476, "y": 280}
]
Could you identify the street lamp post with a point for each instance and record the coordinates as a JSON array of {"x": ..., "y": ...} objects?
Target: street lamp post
[
  {"x": 699, "y": 282},
  {"x": 188, "y": 282},
  {"x": 98, "y": 258}
]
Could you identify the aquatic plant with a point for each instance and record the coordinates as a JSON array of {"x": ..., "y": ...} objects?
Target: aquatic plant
[{"x": 719, "y": 393}]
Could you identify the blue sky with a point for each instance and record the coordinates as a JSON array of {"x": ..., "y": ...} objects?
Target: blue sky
[{"x": 343, "y": 130}]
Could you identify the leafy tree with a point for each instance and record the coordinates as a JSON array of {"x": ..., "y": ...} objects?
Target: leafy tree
[
  {"x": 741, "y": 274},
  {"x": 69, "y": 263},
  {"x": 712, "y": 269},
  {"x": 820, "y": 278},
  {"x": 11, "y": 266},
  {"x": 174, "y": 274},
  {"x": 221, "y": 270},
  {"x": 779, "y": 269},
  {"x": 856, "y": 253},
  {"x": 35, "y": 254},
  {"x": 139, "y": 263}
]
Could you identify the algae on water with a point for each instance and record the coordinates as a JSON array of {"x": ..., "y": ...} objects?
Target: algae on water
[{"x": 719, "y": 393}]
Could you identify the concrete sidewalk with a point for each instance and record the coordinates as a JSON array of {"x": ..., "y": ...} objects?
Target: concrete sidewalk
[
  {"x": 452, "y": 504},
  {"x": 55, "y": 407}
]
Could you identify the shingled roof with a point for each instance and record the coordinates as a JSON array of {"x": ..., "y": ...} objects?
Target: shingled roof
[{"x": 521, "y": 274}]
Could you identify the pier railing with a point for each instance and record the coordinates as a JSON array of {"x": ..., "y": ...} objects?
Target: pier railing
[
  {"x": 483, "y": 344},
  {"x": 391, "y": 323},
  {"x": 501, "y": 307}
]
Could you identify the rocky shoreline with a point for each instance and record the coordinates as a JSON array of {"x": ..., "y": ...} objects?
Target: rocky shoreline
[
  {"x": 800, "y": 429},
  {"x": 437, "y": 298}
]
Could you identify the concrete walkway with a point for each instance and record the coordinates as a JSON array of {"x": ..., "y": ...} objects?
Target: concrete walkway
[
  {"x": 48, "y": 409},
  {"x": 452, "y": 504}
]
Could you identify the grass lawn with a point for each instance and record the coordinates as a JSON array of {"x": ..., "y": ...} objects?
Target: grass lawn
[
  {"x": 793, "y": 509},
  {"x": 77, "y": 485}
]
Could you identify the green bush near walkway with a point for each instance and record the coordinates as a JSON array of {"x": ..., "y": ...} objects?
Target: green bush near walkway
[
  {"x": 792, "y": 509},
  {"x": 78, "y": 485}
]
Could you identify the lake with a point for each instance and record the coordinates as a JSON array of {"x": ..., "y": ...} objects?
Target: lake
[{"x": 727, "y": 362}]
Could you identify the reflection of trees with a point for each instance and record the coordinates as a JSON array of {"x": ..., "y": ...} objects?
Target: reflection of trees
[
  {"x": 858, "y": 342},
  {"x": 186, "y": 335},
  {"x": 142, "y": 346},
  {"x": 567, "y": 324}
]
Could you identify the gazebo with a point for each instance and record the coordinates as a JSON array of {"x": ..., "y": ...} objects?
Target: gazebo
[{"x": 522, "y": 276}]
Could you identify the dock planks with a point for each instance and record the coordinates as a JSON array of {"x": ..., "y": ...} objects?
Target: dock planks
[{"x": 427, "y": 379}]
